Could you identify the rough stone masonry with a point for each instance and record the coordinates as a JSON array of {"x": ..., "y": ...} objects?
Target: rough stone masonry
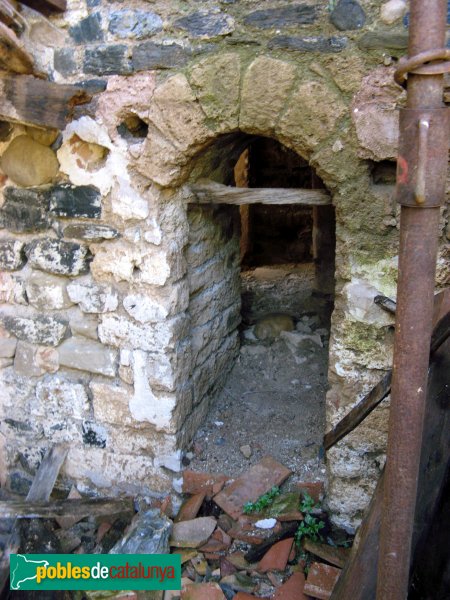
[{"x": 120, "y": 306}]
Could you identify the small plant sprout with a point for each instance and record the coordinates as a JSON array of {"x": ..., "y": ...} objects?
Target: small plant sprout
[
  {"x": 310, "y": 526},
  {"x": 263, "y": 501}
]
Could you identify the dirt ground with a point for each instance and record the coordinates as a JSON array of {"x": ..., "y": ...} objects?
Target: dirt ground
[{"x": 274, "y": 400}]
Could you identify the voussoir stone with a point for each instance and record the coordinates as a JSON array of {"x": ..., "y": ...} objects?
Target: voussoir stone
[
  {"x": 216, "y": 83},
  {"x": 11, "y": 255},
  {"x": 266, "y": 84},
  {"x": 86, "y": 355},
  {"x": 92, "y": 297},
  {"x": 45, "y": 291},
  {"x": 57, "y": 256},
  {"x": 48, "y": 331},
  {"x": 28, "y": 163}
]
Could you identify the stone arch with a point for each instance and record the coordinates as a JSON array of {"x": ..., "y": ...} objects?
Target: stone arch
[{"x": 269, "y": 97}]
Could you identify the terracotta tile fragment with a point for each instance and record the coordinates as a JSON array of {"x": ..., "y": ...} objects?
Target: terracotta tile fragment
[
  {"x": 244, "y": 596},
  {"x": 277, "y": 557},
  {"x": 314, "y": 488},
  {"x": 193, "y": 533},
  {"x": 226, "y": 567},
  {"x": 217, "y": 542},
  {"x": 258, "y": 480},
  {"x": 196, "y": 483},
  {"x": 292, "y": 589},
  {"x": 336, "y": 556},
  {"x": 102, "y": 530},
  {"x": 190, "y": 507},
  {"x": 321, "y": 580}
]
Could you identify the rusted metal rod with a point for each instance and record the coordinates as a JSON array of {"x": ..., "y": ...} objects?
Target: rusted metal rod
[{"x": 420, "y": 191}]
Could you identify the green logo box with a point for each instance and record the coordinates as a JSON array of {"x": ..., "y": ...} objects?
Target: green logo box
[{"x": 95, "y": 572}]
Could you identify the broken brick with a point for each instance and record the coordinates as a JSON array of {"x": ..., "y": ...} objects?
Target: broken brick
[
  {"x": 244, "y": 596},
  {"x": 202, "y": 591},
  {"x": 314, "y": 488},
  {"x": 189, "y": 509},
  {"x": 258, "y": 480},
  {"x": 335, "y": 556},
  {"x": 218, "y": 541},
  {"x": 321, "y": 580},
  {"x": 209, "y": 484},
  {"x": 292, "y": 589},
  {"x": 277, "y": 557}
]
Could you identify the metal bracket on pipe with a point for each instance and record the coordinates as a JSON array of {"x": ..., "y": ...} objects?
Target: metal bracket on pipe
[{"x": 422, "y": 157}]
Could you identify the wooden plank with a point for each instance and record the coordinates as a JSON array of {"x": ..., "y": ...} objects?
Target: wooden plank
[
  {"x": 210, "y": 192},
  {"x": 65, "y": 508},
  {"x": 13, "y": 57},
  {"x": 359, "y": 412},
  {"x": 371, "y": 400},
  {"x": 40, "y": 491},
  {"x": 27, "y": 99},
  {"x": 45, "y": 478},
  {"x": 358, "y": 579}
]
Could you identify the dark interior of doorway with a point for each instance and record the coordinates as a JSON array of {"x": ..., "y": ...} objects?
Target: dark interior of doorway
[{"x": 274, "y": 399}]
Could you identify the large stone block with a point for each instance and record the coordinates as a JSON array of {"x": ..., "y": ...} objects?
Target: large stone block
[
  {"x": 86, "y": 355},
  {"x": 11, "y": 255},
  {"x": 34, "y": 361},
  {"x": 87, "y": 30},
  {"x": 266, "y": 86},
  {"x": 24, "y": 210},
  {"x": 144, "y": 308},
  {"x": 47, "y": 292},
  {"x": 111, "y": 403},
  {"x": 69, "y": 201},
  {"x": 283, "y": 16},
  {"x": 41, "y": 165},
  {"x": 375, "y": 115},
  {"x": 90, "y": 232},
  {"x": 317, "y": 43},
  {"x": 134, "y": 24},
  {"x": 154, "y": 55},
  {"x": 312, "y": 114},
  {"x": 40, "y": 329},
  {"x": 216, "y": 83},
  {"x": 84, "y": 325},
  {"x": 57, "y": 256},
  {"x": 117, "y": 260},
  {"x": 206, "y": 24},
  {"x": 92, "y": 297},
  {"x": 107, "y": 60}
]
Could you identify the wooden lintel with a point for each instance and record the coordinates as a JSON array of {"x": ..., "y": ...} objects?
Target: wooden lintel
[
  {"x": 210, "y": 192},
  {"x": 46, "y": 6},
  {"x": 32, "y": 101},
  {"x": 64, "y": 508}
]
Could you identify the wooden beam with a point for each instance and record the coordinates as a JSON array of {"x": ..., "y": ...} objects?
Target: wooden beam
[
  {"x": 26, "y": 99},
  {"x": 65, "y": 508},
  {"x": 210, "y": 192},
  {"x": 13, "y": 57},
  {"x": 46, "y": 6}
]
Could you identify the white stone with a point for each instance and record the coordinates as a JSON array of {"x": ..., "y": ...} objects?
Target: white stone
[
  {"x": 118, "y": 331},
  {"x": 392, "y": 11},
  {"x": 144, "y": 309},
  {"x": 86, "y": 355},
  {"x": 47, "y": 292},
  {"x": 171, "y": 461},
  {"x": 144, "y": 404},
  {"x": 60, "y": 396},
  {"x": 153, "y": 235},
  {"x": 111, "y": 403},
  {"x": 91, "y": 297},
  {"x": 155, "y": 268},
  {"x": 360, "y": 296},
  {"x": 117, "y": 260},
  {"x": 126, "y": 202},
  {"x": 84, "y": 325},
  {"x": 266, "y": 523}
]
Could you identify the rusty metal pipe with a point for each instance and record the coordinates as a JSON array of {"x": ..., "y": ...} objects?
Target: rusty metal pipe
[{"x": 417, "y": 264}]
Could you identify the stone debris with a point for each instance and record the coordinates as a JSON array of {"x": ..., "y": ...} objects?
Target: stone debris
[
  {"x": 148, "y": 534},
  {"x": 193, "y": 533},
  {"x": 246, "y": 451},
  {"x": 266, "y": 523}
]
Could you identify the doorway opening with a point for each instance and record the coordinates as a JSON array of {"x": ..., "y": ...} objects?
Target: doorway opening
[{"x": 271, "y": 397}]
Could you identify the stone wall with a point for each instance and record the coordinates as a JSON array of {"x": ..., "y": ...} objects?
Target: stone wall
[{"x": 100, "y": 310}]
